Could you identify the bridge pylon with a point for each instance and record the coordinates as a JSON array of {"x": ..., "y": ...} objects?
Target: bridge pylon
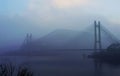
[
  {"x": 97, "y": 36},
  {"x": 28, "y": 39}
]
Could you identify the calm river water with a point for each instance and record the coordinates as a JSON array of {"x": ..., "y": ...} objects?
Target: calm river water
[{"x": 65, "y": 63}]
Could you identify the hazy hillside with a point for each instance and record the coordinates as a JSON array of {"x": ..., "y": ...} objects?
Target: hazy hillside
[
  {"x": 67, "y": 39},
  {"x": 61, "y": 39},
  {"x": 64, "y": 39}
]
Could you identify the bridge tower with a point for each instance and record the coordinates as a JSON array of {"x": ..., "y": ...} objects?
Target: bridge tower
[
  {"x": 97, "y": 36},
  {"x": 28, "y": 39}
]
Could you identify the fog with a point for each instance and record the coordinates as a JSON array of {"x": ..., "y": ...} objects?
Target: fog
[
  {"x": 14, "y": 30},
  {"x": 58, "y": 38},
  {"x": 42, "y": 17}
]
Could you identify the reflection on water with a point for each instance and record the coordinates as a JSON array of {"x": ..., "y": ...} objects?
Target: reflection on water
[
  {"x": 64, "y": 64},
  {"x": 98, "y": 67}
]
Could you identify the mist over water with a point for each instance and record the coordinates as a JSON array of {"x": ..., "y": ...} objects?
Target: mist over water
[
  {"x": 64, "y": 63},
  {"x": 55, "y": 52},
  {"x": 57, "y": 38}
]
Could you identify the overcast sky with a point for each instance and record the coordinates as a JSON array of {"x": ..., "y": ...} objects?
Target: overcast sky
[{"x": 18, "y": 17}]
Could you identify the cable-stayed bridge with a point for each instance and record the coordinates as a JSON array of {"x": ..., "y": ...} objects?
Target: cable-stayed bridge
[
  {"x": 98, "y": 32},
  {"x": 99, "y": 29}
]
